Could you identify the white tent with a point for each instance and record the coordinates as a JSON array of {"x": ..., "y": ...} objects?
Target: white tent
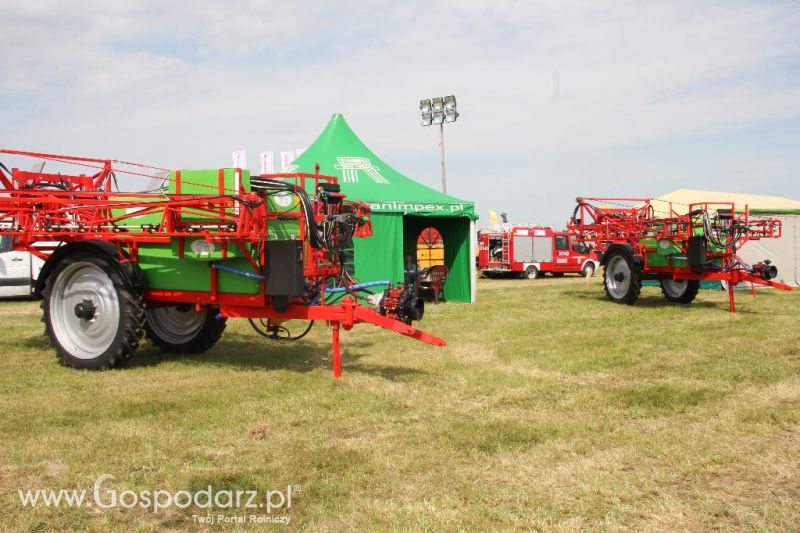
[{"x": 784, "y": 252}]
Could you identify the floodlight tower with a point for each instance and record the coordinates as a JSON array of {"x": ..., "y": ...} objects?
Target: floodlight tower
[{"x": 438, "y": 111}]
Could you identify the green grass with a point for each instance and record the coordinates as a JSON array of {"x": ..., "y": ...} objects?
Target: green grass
[{"x": 551, "y": 408}]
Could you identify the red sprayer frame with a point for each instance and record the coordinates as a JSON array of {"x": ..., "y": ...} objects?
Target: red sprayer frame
[
  {"x": 632, "y": 222},
  {"x": 38, "y": 208}
]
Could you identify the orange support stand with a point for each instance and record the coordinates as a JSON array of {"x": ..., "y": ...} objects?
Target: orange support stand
[
  {"x": 343, "y": 315},
  {"x": 337, "y": 351}
]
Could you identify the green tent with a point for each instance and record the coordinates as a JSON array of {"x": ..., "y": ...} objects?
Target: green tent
[{"x": 401, "y": 209}]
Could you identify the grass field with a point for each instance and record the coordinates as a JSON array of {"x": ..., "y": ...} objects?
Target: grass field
[{"x": 551, "y": 408}]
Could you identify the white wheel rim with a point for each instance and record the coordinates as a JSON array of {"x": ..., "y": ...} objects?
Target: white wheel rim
[
  {"x": 531, "y": 273},
  {"x": 84, "y": 338},
  {"x": 675, "y": 287},
  {"x": 618, "y": 277},
  {"x": 176, "y": 324}
]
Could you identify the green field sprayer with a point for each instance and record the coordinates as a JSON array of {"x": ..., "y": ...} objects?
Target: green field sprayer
[
  {"x": 198, "y": 248},
  {"x": 676, "y": 246}
]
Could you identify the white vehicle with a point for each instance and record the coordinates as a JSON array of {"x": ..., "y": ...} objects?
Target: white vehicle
[{"x": 18, "y": 270}]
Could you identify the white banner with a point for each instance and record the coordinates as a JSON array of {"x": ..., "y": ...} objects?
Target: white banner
[
  {"x": 240, "y": 159},
  {"x": 286, "y": 159},
  {"x": 267, "y": 162}
]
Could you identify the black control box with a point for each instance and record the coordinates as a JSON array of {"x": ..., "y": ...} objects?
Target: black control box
[
  {"x": 697, "y": 252},
  {"x": 284, "y": 268}
]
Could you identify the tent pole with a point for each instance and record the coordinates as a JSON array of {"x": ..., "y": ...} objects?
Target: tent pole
[{"x": 441, "y": 145}]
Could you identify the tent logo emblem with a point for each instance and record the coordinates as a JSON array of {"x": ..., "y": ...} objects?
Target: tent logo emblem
[{"x": 351, "y": 165}]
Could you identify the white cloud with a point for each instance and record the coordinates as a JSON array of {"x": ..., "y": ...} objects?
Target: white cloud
[{"x": 184, "y": 83}]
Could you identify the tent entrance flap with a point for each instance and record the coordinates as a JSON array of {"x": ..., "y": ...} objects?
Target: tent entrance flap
[
  {"x": 456, "y": 237},
  {"x": 381, "y": 256}
]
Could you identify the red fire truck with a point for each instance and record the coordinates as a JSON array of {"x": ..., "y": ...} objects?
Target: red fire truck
[{"x": 532, "y": 251}]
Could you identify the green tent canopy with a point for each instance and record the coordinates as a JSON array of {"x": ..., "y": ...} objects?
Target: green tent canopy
[{"x": 401, "y": 209}]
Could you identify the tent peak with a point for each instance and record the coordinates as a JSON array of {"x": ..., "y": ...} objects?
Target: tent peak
[
  {"x": 338, "y": 123},
  {"x": 337, "y": 117}
]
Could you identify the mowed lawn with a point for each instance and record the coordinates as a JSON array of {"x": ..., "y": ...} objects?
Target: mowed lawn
[{"x": 551, "y": 408}]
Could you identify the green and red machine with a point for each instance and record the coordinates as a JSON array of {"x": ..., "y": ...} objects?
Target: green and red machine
[
  {"x": 178, "y": 260},
  {"x": 677, "y": 248}
]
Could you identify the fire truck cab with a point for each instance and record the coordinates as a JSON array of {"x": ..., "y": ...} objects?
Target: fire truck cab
[{"x": 532, "y": 251}]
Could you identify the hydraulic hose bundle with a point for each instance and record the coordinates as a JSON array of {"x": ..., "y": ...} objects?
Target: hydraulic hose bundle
[
  {"x": 715, "y": 228},
  {"x": 335, "y": 232},
  {"x": 273, "y": 186}
]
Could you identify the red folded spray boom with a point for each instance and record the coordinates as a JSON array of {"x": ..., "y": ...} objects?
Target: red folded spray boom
[
  {"x": 180, "y": 259},
  {"x": 678, "y": 249}
]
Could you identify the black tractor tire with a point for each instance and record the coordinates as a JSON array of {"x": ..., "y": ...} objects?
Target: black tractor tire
[
  {"x": 531, "y": 272},
  {"x": 93, "y": 315},
  {"x": 622, "y": 279},
  {"x": 680, "y": 292},
  {"x": 588, "y": 270},
  {"x": 182, "y": 329}
]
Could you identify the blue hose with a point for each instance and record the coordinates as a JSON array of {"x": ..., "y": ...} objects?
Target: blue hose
[
  {"x": 259, "y": 277},
  {"x": 358, "y": 286},
  {"x": 238, "y": 272}
]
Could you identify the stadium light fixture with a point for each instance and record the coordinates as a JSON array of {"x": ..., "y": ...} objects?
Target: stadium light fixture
[
  {"x": 425, "y": 109},
  {"x": 438, "y": 111},
  {"x": 450, "y": 113}
]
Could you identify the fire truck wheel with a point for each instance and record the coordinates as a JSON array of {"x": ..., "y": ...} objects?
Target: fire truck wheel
[
  {"x": 93, "y": 316},
  {"x": 681, "y": 291},
  {"x": 588, "y": 270},
  {"x": 531, "y": 272},
  {"x": 183, "y": 329},
  {"x": 623, "y": 279}
]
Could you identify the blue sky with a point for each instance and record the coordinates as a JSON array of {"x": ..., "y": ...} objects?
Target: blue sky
[{"x": 557, "y": 99}]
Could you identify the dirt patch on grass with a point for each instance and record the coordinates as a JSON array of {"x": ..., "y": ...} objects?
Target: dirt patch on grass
[{"x": 260, "y": 432}]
